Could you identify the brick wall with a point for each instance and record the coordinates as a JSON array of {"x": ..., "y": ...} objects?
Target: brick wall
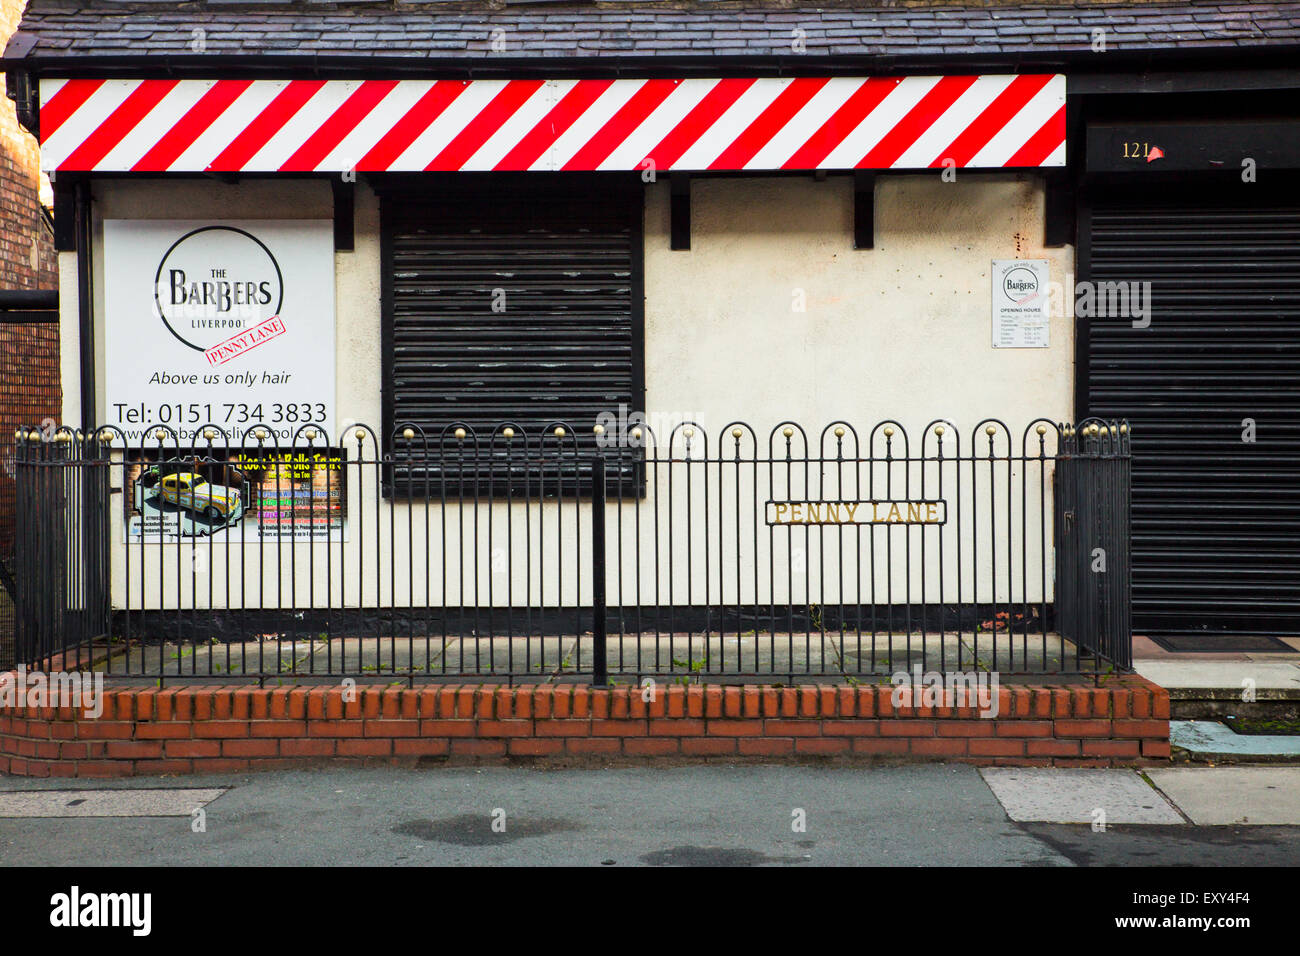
[
  {"x": 235, "y": 729},
  {"x": 27, "y": 259},
  {"x": 29, "y": 354}
]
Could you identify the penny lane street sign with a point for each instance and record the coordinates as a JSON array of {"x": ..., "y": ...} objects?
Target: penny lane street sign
[{"x": 856, "y": 512}]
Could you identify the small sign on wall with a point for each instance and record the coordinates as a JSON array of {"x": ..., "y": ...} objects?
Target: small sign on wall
[{"x": 1020, "y": 304}]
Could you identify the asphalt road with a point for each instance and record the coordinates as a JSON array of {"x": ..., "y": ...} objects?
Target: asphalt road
[{"x": 911, "y": 815}]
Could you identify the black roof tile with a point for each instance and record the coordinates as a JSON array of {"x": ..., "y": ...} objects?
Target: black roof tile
[{"x": 452, "y": 31}]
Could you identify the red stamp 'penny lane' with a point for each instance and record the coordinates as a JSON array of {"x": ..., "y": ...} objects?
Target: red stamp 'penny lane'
[{"x": 245, "y": 341}]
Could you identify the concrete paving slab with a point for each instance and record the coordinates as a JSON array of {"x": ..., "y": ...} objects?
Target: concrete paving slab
[
  {"x": 1049, "y": 795},
  {"x": 1212, "y": 737},
  {"x": 1227, "y": 796},
  {"x": 105, "y": 803},
  {"x": 913, "y": 815},
  {"x": 1267, "y": 675}
]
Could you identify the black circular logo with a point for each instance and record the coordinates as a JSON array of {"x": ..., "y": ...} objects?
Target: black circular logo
[
  {"x": 1019, "y": 283},
  {"x": 215, "y": 282}
]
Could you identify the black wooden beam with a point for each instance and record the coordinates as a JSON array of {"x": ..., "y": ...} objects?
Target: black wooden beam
[
  {"x": 864, "y": 210},
  {"x": 344, "y": 218},
  {"x": 65, "y": 213},
  {"x": 680, "y": 184},
  {"x": 1060, "y": 212}
]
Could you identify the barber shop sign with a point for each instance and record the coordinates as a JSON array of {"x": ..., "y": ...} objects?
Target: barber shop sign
[{"x": 218, "y": 323}]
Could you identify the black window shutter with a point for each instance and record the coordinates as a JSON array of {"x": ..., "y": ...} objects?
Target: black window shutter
[{"x": 514, "y": 307}]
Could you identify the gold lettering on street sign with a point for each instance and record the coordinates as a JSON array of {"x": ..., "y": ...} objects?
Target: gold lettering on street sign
[{"x": 856, "y": 512}]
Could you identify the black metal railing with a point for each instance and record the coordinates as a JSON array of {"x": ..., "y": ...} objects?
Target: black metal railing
[{"x": 771, "y": 556}]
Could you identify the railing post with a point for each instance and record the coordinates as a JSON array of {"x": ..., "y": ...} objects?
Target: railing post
[{"x": 600, "y": 674}]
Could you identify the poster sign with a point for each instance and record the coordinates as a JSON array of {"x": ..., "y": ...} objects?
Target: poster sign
[
  {"x": 221, "y": 323},
  {"x": 1020, "y": 303},
  {"x": 246, "y": 495}
]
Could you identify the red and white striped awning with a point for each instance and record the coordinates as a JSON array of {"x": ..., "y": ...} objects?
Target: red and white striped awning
[{"x": 914, "y": 122}]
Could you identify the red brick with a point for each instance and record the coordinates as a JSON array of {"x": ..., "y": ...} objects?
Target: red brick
[
  {"x": 674, "y": 701},
  {"x": 735, "y": 728},
  {"x": 447, "y": 728},
  {"x": 192, "y": 748},
  {"x": 533, "y": 747},
  {"x": 808, "y": 702},
  {"x": 222, "y": 704},
  {"x": 789, "y": 702},
  {"x": 822, "y": 745},
  {"x": 1023, "y": 728},
  {"x": 589, "y": 745},
  {"x": 618, "y": 728},
  {"x": 134, "y": 749},
  {"x": 1121, "y": 701},
  {"x": 1060, "y": 702},
  {"x": 104, "y": 730},
  {"x": 392, "y": 702},
  {"x": 652, "y": 746},
  {"x": 1022, "y": 703},
  {"x": 221, "y": 728},
  {"x": 792, "y": 728},
  {"x": 766, "y": 746},
  {"x": 996, "y": 747},
  {"x": 479, "y": 748},
  {"x": 1100, "y": 703},
  {"x": 335, "y": 728},
  {"x": 1160, "y": 704},
  {"x": 562, "y": 703},
  {"x": 1141, "y": 703},
  {"x": 1155, "y": 748},
  {"x": 732, "y": 702},
  {"x": 907, "y": 728},
  {"x": 874, "y": 745},
  {"x": 321, "y": 747},
  {"x": 1140, "y": 728},
  {"x": 708, "y": 746},
  {"x": 1082, "y": 728},
  {"x": 562, "y": 728},
  {"x": 1052, "y": 748},
  {"x": 512, "y": 727},
  {"x": 966, "y": 728},
  {"x": 1080, "y": 702},
  {"x": 366, "y": 747},
  {"x": 685, "y": 727},
  {"x": 1110, "y": 748},
  {"x": 941, "y": 746},
  {"x": 397, "y": 727},
  {"x": 850, "y": 728},
  {"x": 250, "y": 748},
  {"x": 278, "y": 728},
  {"x": 171, "y": 730},
  {"x": 712, "y": 701},
  {"x": 421, "y": 747}
]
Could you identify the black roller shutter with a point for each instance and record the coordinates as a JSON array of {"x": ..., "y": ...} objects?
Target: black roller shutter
[
  {"x": 1216, "y": 520},
  {"x": 513, "y": 306}
]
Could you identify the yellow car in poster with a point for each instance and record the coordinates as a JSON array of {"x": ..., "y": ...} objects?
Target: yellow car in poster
[{"x": 193, "y": 492}]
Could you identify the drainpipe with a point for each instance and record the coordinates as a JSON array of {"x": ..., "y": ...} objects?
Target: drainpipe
[{"x": 85, "y": 306}]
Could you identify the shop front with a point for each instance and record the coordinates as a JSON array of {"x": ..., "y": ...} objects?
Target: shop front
[{"x": 304, "y": 290}]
